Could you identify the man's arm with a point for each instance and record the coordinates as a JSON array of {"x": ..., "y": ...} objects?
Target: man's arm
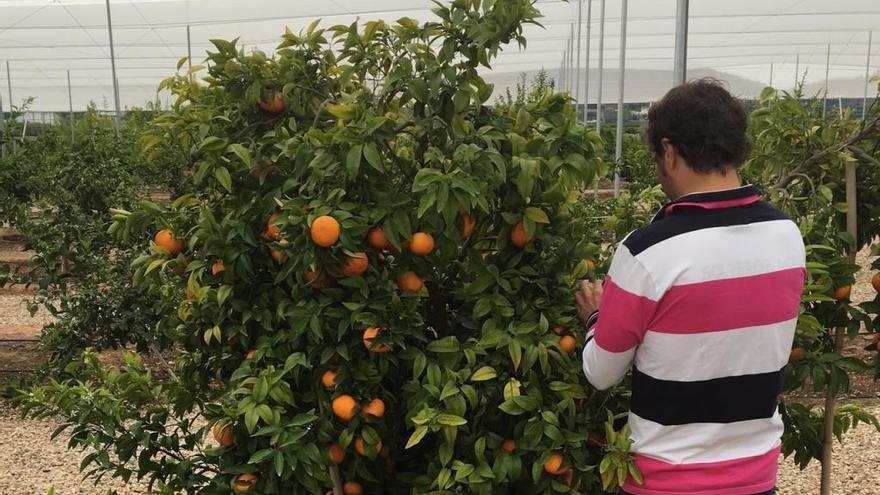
[{"x": 626, "y": 304}]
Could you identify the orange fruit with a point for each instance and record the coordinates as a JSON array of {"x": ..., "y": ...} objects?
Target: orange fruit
[
  {"x": 273, "y": 231},
  {"x": 275, "y": 104},
  {"x": 421, "y": 244},
  {"x": 797, "y": 354},
  {"x": 558, "y": 330},
  {"x": 258, "y": 169},
  {"x": 189, "y": 294},
  {"x": 467, "y": 225},
  {"x": 518, "y": 236},
  {"x": 508, "y": 445},
  {"x": 325, "y": 231},
  {"x": 567, "y": 343},
  {"x": 328, "y": 379},
  {"x": 568, "y": 479},
  {"x": 369, "y": 335},
  {"x": 218, "y": 267},
  {"x": 361, "y": 448},
  {"x": 223, "y": 436},
  {"x": 343, "y": 407},
  {"x": 278, "y": 256},
  {"x": 352, "y": 488},
  {"x": 337, "y": 453},
  {"x": 591, "y": 266},
  {"x": 357, "y": 265},
  {"x": 321, "y": 281},
  {"x": 244, "y": 483},
  {"x": 165, "y": 239},
  {"x": 875, "y": 281},
  {"x": 376, "y": 238},
  {"x": 375, "y": 408},
  {"x": 250, "y": 355},
  {"x": 842, "y": 293},
  {"x": 555, "y": 464},
  {"x": 410, "y": 282}
]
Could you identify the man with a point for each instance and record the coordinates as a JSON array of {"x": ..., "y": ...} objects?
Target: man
[{"x": 703, "y": 302}]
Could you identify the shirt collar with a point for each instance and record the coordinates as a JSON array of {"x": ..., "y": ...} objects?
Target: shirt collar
[{"x": 712, "y": 200}]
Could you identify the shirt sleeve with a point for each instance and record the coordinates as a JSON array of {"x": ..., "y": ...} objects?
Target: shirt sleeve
[{"x": 629, "y": 303}]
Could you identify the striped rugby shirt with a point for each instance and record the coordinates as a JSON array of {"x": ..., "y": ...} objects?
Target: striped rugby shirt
[{"x": 703, "y": 302}]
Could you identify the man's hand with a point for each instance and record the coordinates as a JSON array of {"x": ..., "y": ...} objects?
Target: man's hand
[{"x": 588, "y": 298}]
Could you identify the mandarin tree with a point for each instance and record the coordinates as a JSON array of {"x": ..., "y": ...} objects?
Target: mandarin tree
[{"x": 395, "y": 253}]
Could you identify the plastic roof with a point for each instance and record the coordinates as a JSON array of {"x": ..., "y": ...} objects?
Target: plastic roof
[{"x": 734, "y": 40}]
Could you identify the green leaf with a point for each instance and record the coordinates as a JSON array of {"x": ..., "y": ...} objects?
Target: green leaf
[
  {"x": 444, "y": 345},
  {"x": 536, "y": 215},
  {"x": 373, "y": 158},
  {"x": 223, "y": 293},
  {"x": 416, "y": 437},
  {"x": 353, "y": 161},
  {"x": 451, "y": 420},
  {"x": 261, "y": 455},
  {"x": 242, "y": 153},
  {"x": 223, "y": 178},
  {"x": 483, "y": 374}
]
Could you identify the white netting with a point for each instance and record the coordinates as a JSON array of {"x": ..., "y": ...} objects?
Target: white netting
[{"x": 734, "y": 40}]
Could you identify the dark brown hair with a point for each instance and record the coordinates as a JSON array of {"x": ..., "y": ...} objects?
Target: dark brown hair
[{"x": 704, "y": 122}]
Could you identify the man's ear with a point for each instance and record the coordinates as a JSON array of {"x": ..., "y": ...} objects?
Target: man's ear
[{"x": 668, "y": 153}]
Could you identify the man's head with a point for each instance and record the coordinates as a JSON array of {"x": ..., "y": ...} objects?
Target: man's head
[{"x": 697, "y": 134}]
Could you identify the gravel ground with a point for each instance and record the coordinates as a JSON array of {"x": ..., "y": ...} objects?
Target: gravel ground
[{"x": 14, "y": 312}]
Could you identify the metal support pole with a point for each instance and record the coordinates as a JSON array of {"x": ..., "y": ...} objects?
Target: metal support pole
[
  {"x": 771, "y": 74},
  {"x": 577, "y": 70},
  {"x": 189, "y": 53},
  {"x": 601, "y": 62},
  {"x": 679, "y": 75},
  {"x": 797, "y": 70},
  {"x": 9, "y": 86},
  {"x": 587, "y": 62},
  {"x": 827, "y": 68},
  {"x": 867, "y": 76},
  {"x": 618, "y": 148},
  {"x": 113, "y": 67},
  {"x": 2, "y": 129},
  {"x": 571, "y": 59},
  {"x": 70, "y": 102}
]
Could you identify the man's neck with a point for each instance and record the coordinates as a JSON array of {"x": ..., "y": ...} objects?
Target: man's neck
[{"x": 711, "y": 183}]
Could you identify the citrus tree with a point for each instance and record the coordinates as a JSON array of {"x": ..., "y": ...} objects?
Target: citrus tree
[
  {"x": 800, "y": 157},
  {"x": 370, "y": 289}
]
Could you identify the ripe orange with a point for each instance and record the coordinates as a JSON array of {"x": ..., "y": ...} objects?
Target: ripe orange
[
  {"x": 555, "y": 464},
  {"x": 337, "y": 454},
  {"x": 352, "y": 488},
  {"x": 421, "y": 244},
  {"x": 567, "y": 343},
  {"x": 357, "y": 265},
  {"x": 842, "y": 293},
  {"x": 875, "y": 281},
  {"x": 244, "y": 483},
  {"x": 369, "y": 335},
  {"x": 518, "y": 236},
  {"x": 325, "y": 231},
  {"x": 224, "y": 436},
  {"x": 278, "y": 256},
  {"x": 321, "y": 281},
  {"x": 328, "y": 379},
  {"x": 218, "y": 267},
  {"x": 376, "y": 238},
  {"x": 797, "y": 354},
  {"x": 250, "y": 355},
  {"x": 275, "y": 104},
  {"x": 165, "y": 239},
  {"x": 508, "y": 445},
  {"x": 467, "y": 225},
  {"x": 558, "y": 330},
  {"x": 410, "y": 282},
  {"x": 273, "y": 231},
  {"x": 343, "y": 407},
  {"x": 360, "y": 446},
  {"x": 375, "y": 408}
]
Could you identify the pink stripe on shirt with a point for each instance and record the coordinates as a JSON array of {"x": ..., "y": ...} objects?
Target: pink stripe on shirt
[
  {"x": 729, "y": 304},
  {"x": 715, "y": 205},
  {"x": 749, "y": 475},
  {"x": 623, "y": 319}
]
